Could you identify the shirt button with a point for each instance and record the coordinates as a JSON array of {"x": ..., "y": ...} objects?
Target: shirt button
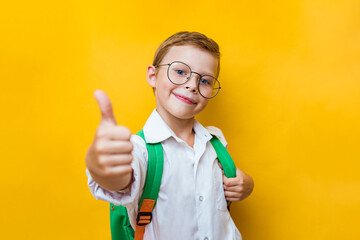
[
  {"x": 201, "y": 198},
  {"x": 206, "y": 238}
]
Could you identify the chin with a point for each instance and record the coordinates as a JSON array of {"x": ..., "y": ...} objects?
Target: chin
[{"x": 184, "y": 115}]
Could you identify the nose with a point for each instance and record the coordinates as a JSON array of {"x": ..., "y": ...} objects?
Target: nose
[{"x": 191, "y": 84}]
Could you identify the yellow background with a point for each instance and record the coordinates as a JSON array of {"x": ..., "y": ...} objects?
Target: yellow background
[{"x": 289, "y": 108}]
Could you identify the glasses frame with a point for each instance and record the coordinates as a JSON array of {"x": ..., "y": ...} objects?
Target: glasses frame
[{"x": 188, "y": 78}]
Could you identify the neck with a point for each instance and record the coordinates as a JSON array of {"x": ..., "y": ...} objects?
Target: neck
[{"x": 183, "y": 128}]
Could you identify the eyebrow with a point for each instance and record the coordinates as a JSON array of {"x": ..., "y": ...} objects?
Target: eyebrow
[{"x": 201, "y": 73}]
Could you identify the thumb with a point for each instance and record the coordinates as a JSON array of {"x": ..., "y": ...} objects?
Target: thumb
[
  {"x": 107, "y": 115},
  {"x": 239, "y": 173}
]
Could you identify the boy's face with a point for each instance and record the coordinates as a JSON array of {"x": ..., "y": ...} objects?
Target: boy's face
[{"x": 181, "y": 101}]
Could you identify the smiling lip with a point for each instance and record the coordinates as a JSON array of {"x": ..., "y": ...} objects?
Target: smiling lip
[{"x": 184, "y": 99}]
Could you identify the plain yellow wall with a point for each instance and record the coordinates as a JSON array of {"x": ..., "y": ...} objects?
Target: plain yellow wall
[{"x": 289, "y": 108}]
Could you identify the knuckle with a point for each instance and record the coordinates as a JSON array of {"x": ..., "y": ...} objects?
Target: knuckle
[
  {"x": 126, "y": 133},
  {"x": 126, "y": 160},
  {"x": 128, "y": 169},
  {"x": 99, "y": 147},
  {"x": 102, "y": 132},
  {"x": 129, "y": 159},
  {"x": 102, "y": 161},
  {"x": 241, "y": 180},
  {"x": 130, "y": 146},
  {"x": 108, "y": 172}
]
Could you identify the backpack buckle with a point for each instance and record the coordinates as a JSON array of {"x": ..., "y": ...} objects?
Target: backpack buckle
[{"x": 143, "y": 218}]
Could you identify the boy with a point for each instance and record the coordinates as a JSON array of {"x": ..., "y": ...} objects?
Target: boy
[{"x": 191, "y": 202}]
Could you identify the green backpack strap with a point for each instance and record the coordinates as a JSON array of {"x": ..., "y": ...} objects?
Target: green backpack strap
[
  {"x": 119, "y": 220},
  {"x": 154, "y": 170},
  {"x": 152, "y": 186},
  {"x": 225, "y": 160},
  {"x": 224, "y": 157}
]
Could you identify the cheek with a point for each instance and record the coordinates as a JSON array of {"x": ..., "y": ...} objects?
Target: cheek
[
  {"x": 163, "y": 90},
  {"x": 205, "y": 102},
  {"x": 164, "y": 85}
]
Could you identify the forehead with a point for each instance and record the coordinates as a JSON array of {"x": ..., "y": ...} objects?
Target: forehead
[{"x": 198, "y": 59}]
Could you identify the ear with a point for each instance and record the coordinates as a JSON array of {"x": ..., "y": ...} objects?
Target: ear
[{"x": 151, "y": 76}]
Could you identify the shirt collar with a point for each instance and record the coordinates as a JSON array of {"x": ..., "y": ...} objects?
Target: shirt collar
[
  {"x": 201, "y": 132},
  {"x": 156, "y": 130}
]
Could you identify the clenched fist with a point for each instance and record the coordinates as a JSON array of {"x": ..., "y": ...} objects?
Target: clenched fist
[
  {"x": 239, "y": 187},
  {"x": 109, "y": 156}
]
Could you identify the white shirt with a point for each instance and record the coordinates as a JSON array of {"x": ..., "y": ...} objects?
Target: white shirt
[{"x": 191, "y": 202}]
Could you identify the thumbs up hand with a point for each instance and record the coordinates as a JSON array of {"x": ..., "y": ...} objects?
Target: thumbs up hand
[{"x": 109, "y": 156}]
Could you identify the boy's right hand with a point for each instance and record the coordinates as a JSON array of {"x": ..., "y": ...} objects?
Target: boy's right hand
[{"x": 109, "y": 156}]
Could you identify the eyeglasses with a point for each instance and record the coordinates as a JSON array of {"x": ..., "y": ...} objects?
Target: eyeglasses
[{"x": 179, "y": 73}]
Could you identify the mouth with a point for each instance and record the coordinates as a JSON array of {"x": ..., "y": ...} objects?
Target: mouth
[{"x": 184, "y": 99}]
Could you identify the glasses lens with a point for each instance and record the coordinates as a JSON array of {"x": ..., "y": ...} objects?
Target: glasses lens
[
  {"x": 178, "y": 73},
  {"x": 208, "y": 86}
]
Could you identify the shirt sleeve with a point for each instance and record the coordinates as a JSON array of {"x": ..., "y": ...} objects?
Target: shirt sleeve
[{"x": 131, "y": 196}]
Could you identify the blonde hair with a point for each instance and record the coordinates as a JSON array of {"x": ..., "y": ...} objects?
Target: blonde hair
[{"x": 187, "y": 38}]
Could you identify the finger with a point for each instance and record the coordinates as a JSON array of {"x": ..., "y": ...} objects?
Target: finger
[
  {"x": 237, "y": 188},
  {"x": 231, "y": 181},
  {"x": 239, "y": 173},
  {"x": 229, "y": 194},
  {"x": 114, "y": 133},
  {"x": 234, "y": 199},
  {"x": 115, "y": 160},
  {"x": 107, "y": 115},
  {"x": 113, "y": 147},
  {"x": 119, "y": 170},
  {"x": 239, "y": 179},
  {"x": 120, "y": 133}
]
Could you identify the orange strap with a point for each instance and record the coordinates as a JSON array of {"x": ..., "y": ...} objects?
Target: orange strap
[{"x": 143, "y": 220}]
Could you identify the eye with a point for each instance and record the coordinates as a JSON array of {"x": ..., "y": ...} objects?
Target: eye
[
  {"x": 180, "y": 72},
  {"x": 203, "y": 81}
]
